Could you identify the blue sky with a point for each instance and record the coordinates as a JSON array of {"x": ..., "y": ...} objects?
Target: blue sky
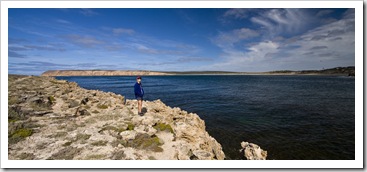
[{"x": 243, "y": 39}]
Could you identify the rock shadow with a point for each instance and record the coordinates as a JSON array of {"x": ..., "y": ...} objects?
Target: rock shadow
[{"x": 144, "y": 110}]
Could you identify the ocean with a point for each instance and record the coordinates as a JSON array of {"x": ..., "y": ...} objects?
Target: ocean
[{"x": 291, "y": 117}]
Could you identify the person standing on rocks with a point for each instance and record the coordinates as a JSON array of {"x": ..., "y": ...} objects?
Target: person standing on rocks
[{"x": 139, "y": 93}]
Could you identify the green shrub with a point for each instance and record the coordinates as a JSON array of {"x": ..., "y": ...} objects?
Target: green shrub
[
  {"x": 107, "y": 117},
  {"x": 58, "y": 134},
  {"x": 163, "y": 127},
  {"x": 108, "y": 127},
  {"x": 13, "y": 100},
  {"x": 82, "y": 137},
  {"x": 95, "y": 157},
  {"x": 116, "y": 142},
  {"x": 95, "y": 111},
  {"x": 40, "y": 106},
  {"x": 130, "y": 126},
  {"x": 12, "y": 120},
  {"x": 67, "y": 144},
  {"x": 14, "y": 113},
  {"x": 152, "y": 158},
  {"x": 102, "y": 106},
  {"x": 144, "y": 141},
  {"x": 19, "y": 135},
  {"x": 23, "y": 132},
  {"x": 51, "y": 99},
  {"x": 87, "y": 107},
  {"x": 99, "y": 143}
]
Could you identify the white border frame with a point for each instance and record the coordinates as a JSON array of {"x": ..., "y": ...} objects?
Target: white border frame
[{"x": 357, "y": 163}]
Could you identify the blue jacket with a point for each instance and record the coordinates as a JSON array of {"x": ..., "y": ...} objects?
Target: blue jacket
[{"x": 138, "y": 89}]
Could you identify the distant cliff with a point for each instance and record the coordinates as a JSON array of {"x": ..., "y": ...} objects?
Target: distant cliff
[
  {"x": 100, "y": 73},
  {"x": 347, "y": 71}
]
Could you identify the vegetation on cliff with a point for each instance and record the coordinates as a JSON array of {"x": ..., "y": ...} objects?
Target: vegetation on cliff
[{"x": 347, "y": 71}]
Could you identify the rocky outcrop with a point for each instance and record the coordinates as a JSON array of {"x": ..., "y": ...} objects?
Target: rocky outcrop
[
  {"x": 100, "y": 73},
  {"x": 253, "y": 152},
  {"x": 56, "y": 119}
]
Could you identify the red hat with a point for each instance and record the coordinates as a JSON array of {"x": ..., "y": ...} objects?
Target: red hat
[{"x": 138, "y": 77}]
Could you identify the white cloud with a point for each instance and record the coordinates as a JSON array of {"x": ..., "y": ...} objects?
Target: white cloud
[
  {"x": 86, "y": 41},
  {"x": 238, "y": 13},
  {"x": 262, "y": 22},
  {"x": 88, "y": 12},
  {"x": 330, "y": 45},
  {"x": 227, "y": 39},
  {"x": 280, "y": 21},
  {"x": 119, "y": 31},
  {"x": 193, "y": 59},
  {"x": 263, "y": 48},
  {"x": 349, "y": 14},
  {"x": 29, "y": 31},
  {"x": 323, "y": 13},
  {"x": 326, "y": 46},
  {"x": 145, "y": 49},
  {"x": 271, "y": 21},
  {"x": 278, "y": 16},
  {"x": 63, "y": 21}
]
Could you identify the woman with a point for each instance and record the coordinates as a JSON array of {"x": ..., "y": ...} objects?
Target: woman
[{"x": 139, "y": 93}]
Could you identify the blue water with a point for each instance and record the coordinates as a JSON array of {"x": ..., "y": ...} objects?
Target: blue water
[{"x": 292, "y": 117}]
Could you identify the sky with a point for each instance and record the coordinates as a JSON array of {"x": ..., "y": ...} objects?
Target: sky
[{"x": 174, "y": 39}]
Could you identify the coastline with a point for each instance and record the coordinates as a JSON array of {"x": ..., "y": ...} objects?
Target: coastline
[
  {"x": 338, "y": 71},
  {"x": 56, "y": 119}
]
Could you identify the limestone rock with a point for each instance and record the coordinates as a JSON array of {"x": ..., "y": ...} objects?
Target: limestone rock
[
  {"x": 73, "y": 103},
  {"x": 253, "y": 151},
  {"x": 53, "y": 119}
]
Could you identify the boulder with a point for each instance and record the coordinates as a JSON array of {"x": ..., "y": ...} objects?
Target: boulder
[
  {"x": 253, "y": 151},
  {"x": 73, "y": 103}
]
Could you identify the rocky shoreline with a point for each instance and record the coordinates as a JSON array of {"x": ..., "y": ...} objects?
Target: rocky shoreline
[{"x": 56, "y": 119}]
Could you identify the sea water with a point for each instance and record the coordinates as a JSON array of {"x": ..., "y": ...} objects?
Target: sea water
[{"x": 291, "y": 117}]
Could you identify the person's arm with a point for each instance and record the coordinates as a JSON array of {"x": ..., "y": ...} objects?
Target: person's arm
[{"x": 136, "y": 89}]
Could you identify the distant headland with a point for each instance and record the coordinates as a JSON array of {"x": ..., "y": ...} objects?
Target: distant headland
[{"x": 345, "y": 71}]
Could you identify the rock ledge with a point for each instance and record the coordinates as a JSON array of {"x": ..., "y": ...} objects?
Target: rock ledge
[{"x": 54, "y": 119}]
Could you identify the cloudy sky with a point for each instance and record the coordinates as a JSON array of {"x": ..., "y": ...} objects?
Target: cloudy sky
[{"x": 248, "y": 40}]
